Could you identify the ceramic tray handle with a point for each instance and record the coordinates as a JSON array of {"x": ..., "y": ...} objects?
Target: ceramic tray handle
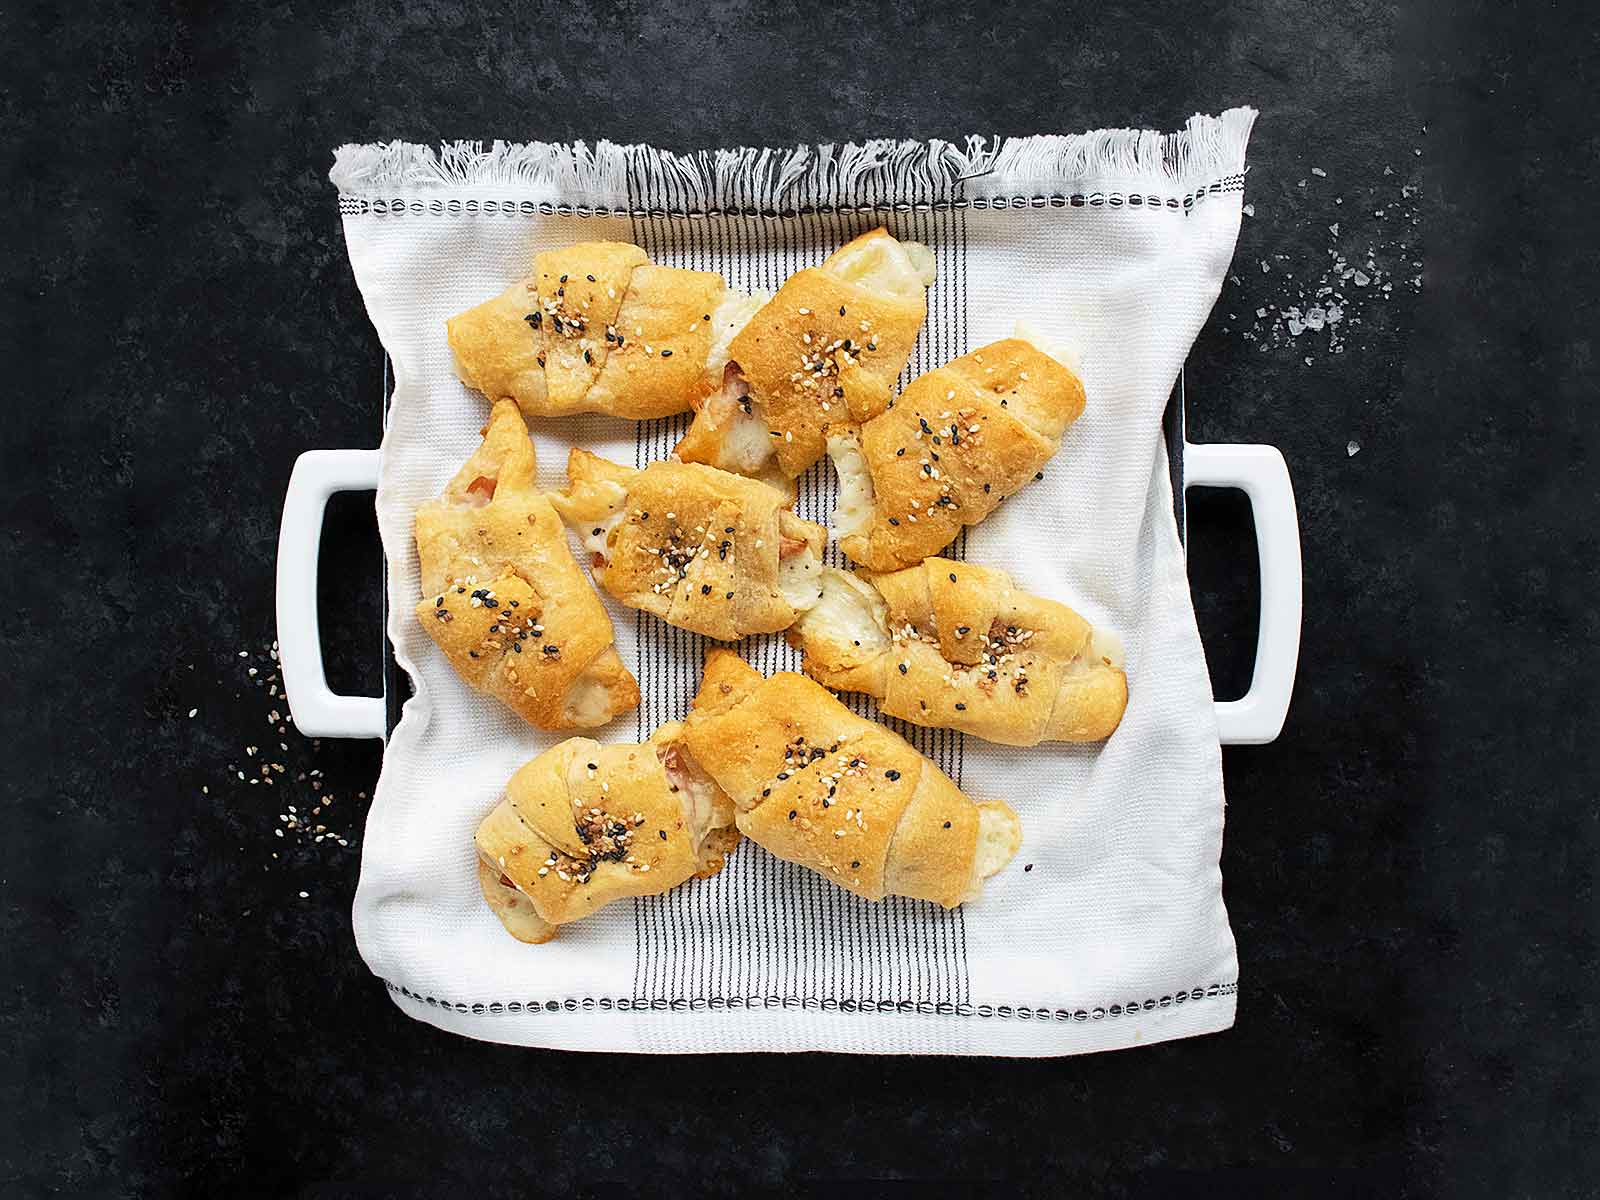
[
  {"x": 1260, "y": 472},
  {"x": 318, "y": 710}
]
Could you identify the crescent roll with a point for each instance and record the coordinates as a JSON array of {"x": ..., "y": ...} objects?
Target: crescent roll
[
  {"x": 504, "y": 598},
  {"x": 600, "y": 328},
  {"x": 702, "y": 549},
  {"x": 955, "y": 646},
  {"x": 822, "y": 354},
  {"x": 817, "y": 785},
  {"x": 585, "y": 824},
  {"x": 957, "y": 441}
]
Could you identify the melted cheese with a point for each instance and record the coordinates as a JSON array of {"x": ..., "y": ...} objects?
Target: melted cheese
[
  {"x": 856, "y": 499},
  {"x": 922, "y": 262},
  {"x": 588, "y": 702},
  {"x": 596, "y": 534},
  {"x": 800, "y": 579},
  {"x": 732, "y": 314},
  {"x": 848, "y": 615},
  {"x": 903, "y": 269},
  {"x": 1107, "y": 646},
  {"x": 1062, "y": 353},
  {"x": 999, "y": 839},
  {"x": 746, "y": 441}
]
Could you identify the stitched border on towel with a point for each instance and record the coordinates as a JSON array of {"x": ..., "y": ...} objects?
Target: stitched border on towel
[
  {"x": 762, "y": 926},
  {"x": 361, "y": 206},
  {"x": 720, "y": 1003}
]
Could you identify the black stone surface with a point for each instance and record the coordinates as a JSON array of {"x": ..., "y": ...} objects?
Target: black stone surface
[{"x": 1409, "y": 869}]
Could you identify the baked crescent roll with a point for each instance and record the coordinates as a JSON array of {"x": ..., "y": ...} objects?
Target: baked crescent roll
[
  {"x": 819, "y": 786},
  {"x": 600, "y": 328},
  {"x": 955, "y": 646},
  {"x": 700, "y": 548},
  {"x": 585, "y": 824},
  {"x": 504, "y": 598},
  {"x": 957, "y": 441},
  {"x": 822, "y": 354}
]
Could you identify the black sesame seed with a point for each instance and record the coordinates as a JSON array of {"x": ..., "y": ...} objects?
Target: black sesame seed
[
  {"x": 590, "y": 278},
  {"x": 963, "y": 630},
  {"x": 891, "y": 775},
  {"x": 563, "y": 279},
  {"x": 1027, "y": 868},
  {"x": 902, "y": 668},
  {"x": 947, "y": 824},
  {"x": 666, "y": 354},
  {"x": 766, "y": 791},
  {"x": 438, "y": 602},
  {"x": 923, "y": 421},
  {"x": 855, "y": 863},
  {"x": 705, "y": 589},
  {"x": 791, "y": 814},
  {"x": 952, "y": 576},
  {"x": 986, "y": 489},
  {"x": 663, "y": 834},
  {"x": 960, "y": 707},
  {"x": 841, "y": 310},
  {"x": 894, "y": 520},
  {"x": 727, "y": 595},
  {"x": 1039, "y": 475},
  {"x": 517, "y": 646},
  {"x": 552, "y": 650},
  {"x": 591, "y": 766},
  {"x": 900, "y": 453},
  {"x": 596, "y": 532}
]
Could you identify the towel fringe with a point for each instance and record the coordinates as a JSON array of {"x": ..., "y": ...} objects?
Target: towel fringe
[{"x": 1206, "y": 149}]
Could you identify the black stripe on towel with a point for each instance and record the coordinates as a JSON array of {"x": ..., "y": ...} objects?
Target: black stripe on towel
[{"x": 763, "y": 927}]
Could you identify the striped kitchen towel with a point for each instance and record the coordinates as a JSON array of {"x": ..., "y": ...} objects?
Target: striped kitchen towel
[{"x": 1108, "y": 930}]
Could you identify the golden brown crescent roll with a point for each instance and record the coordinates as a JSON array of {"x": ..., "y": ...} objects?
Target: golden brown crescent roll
[
  {"x": 959, "y": 440},
  {"x": 819, "y": 786},
  {"x": 600, "y": 328},
  {"x": 585, "y": 824},
  {"x": 504, "y": 598},
  {"x": 822, "y": 354},
  {"x": 955, "y": 646},
  {"x": 700, "y": 548}
]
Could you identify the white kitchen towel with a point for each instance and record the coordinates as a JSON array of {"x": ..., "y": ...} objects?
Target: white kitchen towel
[{"x": 1108, "y": 929}]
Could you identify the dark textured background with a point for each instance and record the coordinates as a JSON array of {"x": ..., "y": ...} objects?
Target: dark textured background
[{"x": 1409, "y": 869}]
